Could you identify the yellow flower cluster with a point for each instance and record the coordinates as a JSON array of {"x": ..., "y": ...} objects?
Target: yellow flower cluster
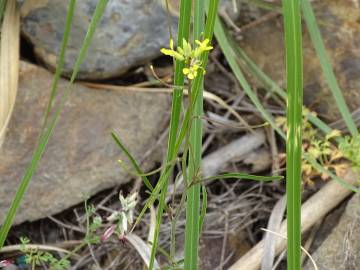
[{"x": 189, "y": 55}]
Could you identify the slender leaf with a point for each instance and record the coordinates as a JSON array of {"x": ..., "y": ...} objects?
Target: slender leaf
[
  {"x": 132, "y": 161},
  {"x": 293, "y": 46},
  {"x": 60, "y": 64},
  {"x": 192, "y": 229}
]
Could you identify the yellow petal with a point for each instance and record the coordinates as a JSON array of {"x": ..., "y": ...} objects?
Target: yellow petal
[
  {"x": 186, "y": 71},
  {"x": 171, "y": 44}
]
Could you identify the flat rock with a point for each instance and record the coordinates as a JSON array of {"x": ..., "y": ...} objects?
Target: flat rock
[
  {"x": 341, "y": 249},
  {"x": 81, "y": 158},
  {"x": 340, "y": 27},
  {"x": 130, "y": 33}
]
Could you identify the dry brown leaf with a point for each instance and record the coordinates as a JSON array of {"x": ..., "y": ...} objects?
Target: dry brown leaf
[{"x": 9, "y": 64}]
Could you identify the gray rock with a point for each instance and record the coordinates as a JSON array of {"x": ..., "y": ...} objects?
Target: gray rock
[
  {"x": 130, "y": 33},
  {"x": 341, "y": 248},
  {"x": 81, "y": 158}
]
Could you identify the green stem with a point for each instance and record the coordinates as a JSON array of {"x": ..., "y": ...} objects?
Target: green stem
[
  {"x": 192, "y": 230},
  {"x": 293, "y": 35},
  {"x": 183, "y": 33}
]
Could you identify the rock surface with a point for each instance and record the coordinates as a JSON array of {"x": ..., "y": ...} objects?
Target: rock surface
[
  {"x": 340, "y": 27},
  {"x": 341, "y": 249},
  {"x": 81, "y": 158},
  {"x": 130, "y": 33}
]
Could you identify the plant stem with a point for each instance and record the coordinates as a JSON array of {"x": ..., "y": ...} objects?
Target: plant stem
[
  {"x": 183, "y": 33},
  {"x": 293, "y": 35},
  {"x": 193, "y": 193}
]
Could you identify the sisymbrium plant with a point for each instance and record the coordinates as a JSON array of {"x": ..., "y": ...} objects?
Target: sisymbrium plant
[{"x": 190, "y": 56}]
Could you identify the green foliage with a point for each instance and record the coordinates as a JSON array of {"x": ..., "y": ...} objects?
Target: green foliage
[
  {"x": 36, "y": 257},
  {"x": 319, "y": 148},
  {"x": 93, "y": 223},
  {"x": 294, "y": 81},
  {"x": 350, "y": 147}
]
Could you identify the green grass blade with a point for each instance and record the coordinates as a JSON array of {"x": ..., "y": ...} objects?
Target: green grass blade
[
  {"x": 254, "y": 70},
  {"x": 326, "y": 66},
  {"x": 44, "y": 138},
  {"x": 293, "y": 46},
  {"x": 60, "y": 64},
  {"x": 192, "y": 229},
  {"x": 99, "y": 10},
  {"x": 132, "y": 161}
]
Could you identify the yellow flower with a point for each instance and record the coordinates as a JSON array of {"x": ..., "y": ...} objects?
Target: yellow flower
[
  {"x": 171, "y": 44},
  {"x": 186, "y": 71},
  {"x": 186, "y": 46},
  {"x": 192, "y": 72},
  {"x": 171, "y": 52},
  {"x": 189, "y": 55},
  {"x": 202, "y": 47}
]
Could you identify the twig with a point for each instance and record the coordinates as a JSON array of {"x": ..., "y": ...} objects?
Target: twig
[
  {"x": 226, "y": 116},
  {"x": 207, "y": 95},
  {"x": 269, "y": 239},
  {"x": 223, "y": 248},
  {"x": 233, "y": 151},
  {"x": 12, "y": 248},
  {"x": 315, "y": 208}
]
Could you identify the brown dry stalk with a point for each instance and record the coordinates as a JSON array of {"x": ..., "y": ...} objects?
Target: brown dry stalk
[{"x": 9, "y": 64}]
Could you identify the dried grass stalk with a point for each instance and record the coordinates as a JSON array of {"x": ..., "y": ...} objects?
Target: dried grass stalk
[
  {"x": 9, "y": 64},
  {"x": 313, "y": 210}
]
